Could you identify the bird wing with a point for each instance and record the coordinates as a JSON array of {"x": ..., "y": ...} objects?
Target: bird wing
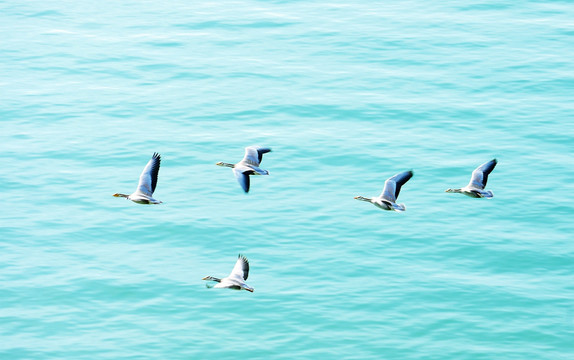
[
  {"x": 261, "y": 151},
  {"x": 393, "y": 185},
  {"x": 148, "y": 178},
  {"x": 480, "y": 174},
  {"x": 254, "y": 154},
  {"x": 241, "y": 268},
  {"x": 242, "y": 178}
]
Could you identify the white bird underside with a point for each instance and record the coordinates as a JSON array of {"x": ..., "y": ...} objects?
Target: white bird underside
[
  {"x": 147, "y": 183},
  {"x": 237, "y": 277},
  {"x": 388, "y": 197}
]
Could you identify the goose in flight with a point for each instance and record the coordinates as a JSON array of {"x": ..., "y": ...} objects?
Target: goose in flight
[
  {"x": 146, "y": 186},
  {"x": 475, "y": 187},
  {"x": 248, "y": 166},
  {"x": 387, "y": 199},
  {"x": 235, "y": 280}
]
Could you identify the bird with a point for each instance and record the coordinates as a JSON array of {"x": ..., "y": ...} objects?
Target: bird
[
  {"x": 147, "y": 184},
  {"x": 248, "y": 166},
  {"x": 237, "y": 277},
  {"x": 475, "y": 187},
  {"x": 387, "y": 199}
]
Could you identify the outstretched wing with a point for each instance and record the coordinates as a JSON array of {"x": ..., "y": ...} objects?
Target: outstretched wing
[
  {"x": 241, "y": 268},
  {"x": 148, "y": 178},
  {"x": 393, "y": 185},
  {"x": 480, "y": 174},
  {"x": 254, "y": 154},
  {"x": 242, "y": 179}
]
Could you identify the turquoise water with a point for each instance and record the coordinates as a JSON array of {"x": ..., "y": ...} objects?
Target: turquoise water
[{"x": 347, "y": 94}]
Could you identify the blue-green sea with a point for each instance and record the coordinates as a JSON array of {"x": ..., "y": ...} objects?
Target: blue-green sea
[{"x": 347, "y": 93}]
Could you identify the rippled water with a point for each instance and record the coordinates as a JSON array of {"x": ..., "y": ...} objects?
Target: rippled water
[{"x": 347, "y": 94}]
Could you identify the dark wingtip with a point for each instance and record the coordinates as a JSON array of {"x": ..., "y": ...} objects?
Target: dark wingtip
[
  {"x": 241, "y": 256},
  {"x": 244, "y": 182},
  {"x": 409, "y": 176},
  {"x": 491, "y": 164}
]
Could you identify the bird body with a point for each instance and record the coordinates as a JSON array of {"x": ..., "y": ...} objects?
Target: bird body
[
  {"x": 475, "y": 187},
  {"x": 249, "y": 165},
  {"x": 147, "y": 183},
  {"x": 388, "y": 197},
  {"x": 237, "y": 277}
]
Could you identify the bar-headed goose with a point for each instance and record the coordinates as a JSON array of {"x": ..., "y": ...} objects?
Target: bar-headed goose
[
  {"x": 475, "y": 187},
  {"x": 248, "y": 166},
  {"x": 146, "y": 186},
  {"x": 387, "y": 199},
  {"x": 237, "y": 277}
]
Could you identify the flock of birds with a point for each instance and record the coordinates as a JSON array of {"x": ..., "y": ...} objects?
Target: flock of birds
[{"x": 250, "y": 165}]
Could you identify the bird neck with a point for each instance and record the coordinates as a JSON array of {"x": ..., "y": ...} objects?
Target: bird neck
[
  {"x": 211, "y": 278},
  {"x": 225, "y": 164},
  {"x": 453, "y": 190}
]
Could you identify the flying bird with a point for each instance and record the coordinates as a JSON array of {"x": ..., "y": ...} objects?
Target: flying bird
[
  {"x": 387, "y": 199},
  {"x": 248, "y": 166},
  {"x": 475, "y": 187},
  {"x": 146, "y": 186},
  {"x": 237, "y": 277}
]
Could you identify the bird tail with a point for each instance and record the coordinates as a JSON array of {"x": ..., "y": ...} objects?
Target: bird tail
[{"x": 399, "y": 207}]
